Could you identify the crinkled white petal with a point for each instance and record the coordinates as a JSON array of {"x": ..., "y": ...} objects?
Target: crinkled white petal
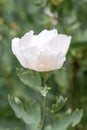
[
  {"x": 16, "y": 52},
  {"x": 49, "y": 61},
  {"x": 30, "y": 55},
  {"x": 44, "y": 37},
  {"x": 59, "y": 43},
  {"x": 60, "y": 60},
  {"x": 26, "y": 40}
]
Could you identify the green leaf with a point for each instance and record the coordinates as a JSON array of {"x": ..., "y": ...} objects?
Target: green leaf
[
  {"x": 30, "y": 78},
  {"x": 29, "y": 115},
  {"x": 76, "y": 117},
  {"x": 63, "y": 122},
  {"x": 60, "y": 102},
  {"x": 33, "y": 127}
]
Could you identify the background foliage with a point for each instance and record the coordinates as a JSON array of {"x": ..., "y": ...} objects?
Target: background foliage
[{"x": 20, "y": 16}]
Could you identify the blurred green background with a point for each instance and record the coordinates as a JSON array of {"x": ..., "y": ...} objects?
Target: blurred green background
[{"x": 20, "y": 16}]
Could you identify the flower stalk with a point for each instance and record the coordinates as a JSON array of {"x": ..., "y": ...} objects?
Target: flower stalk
[
  {"x": 45, "y": 78},
  {"x": 44, "y": 112}
]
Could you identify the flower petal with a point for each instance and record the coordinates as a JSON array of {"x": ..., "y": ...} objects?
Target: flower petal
[
  {"x": 49, "y": 61},
  {"x": 60, "y": 60},
  {"x": 16, "y": 52},
  {"x": 60, "y": 43},
  {"x": 26, "y": 40},
  {"x": 30, "y": 55},
  {"x": 44, "y": 37}
]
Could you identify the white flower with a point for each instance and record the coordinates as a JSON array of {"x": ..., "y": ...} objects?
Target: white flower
[{"x": 43, "y": 52}]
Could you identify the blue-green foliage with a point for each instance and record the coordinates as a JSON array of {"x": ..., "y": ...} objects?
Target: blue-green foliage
[{"x": 31, "y": 115}]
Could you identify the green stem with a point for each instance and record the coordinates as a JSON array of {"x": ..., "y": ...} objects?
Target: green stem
[
  {"x": 44, "y": 113},
  {"x": 45, "y": 101}
]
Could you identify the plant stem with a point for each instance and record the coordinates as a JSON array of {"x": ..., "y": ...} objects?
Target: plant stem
[
  {"x": 45, "y": 101},
  {"x": 44, "y": 113}
]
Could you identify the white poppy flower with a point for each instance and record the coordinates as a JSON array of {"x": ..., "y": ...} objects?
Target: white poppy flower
[{"x": 43, "y": 52}]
